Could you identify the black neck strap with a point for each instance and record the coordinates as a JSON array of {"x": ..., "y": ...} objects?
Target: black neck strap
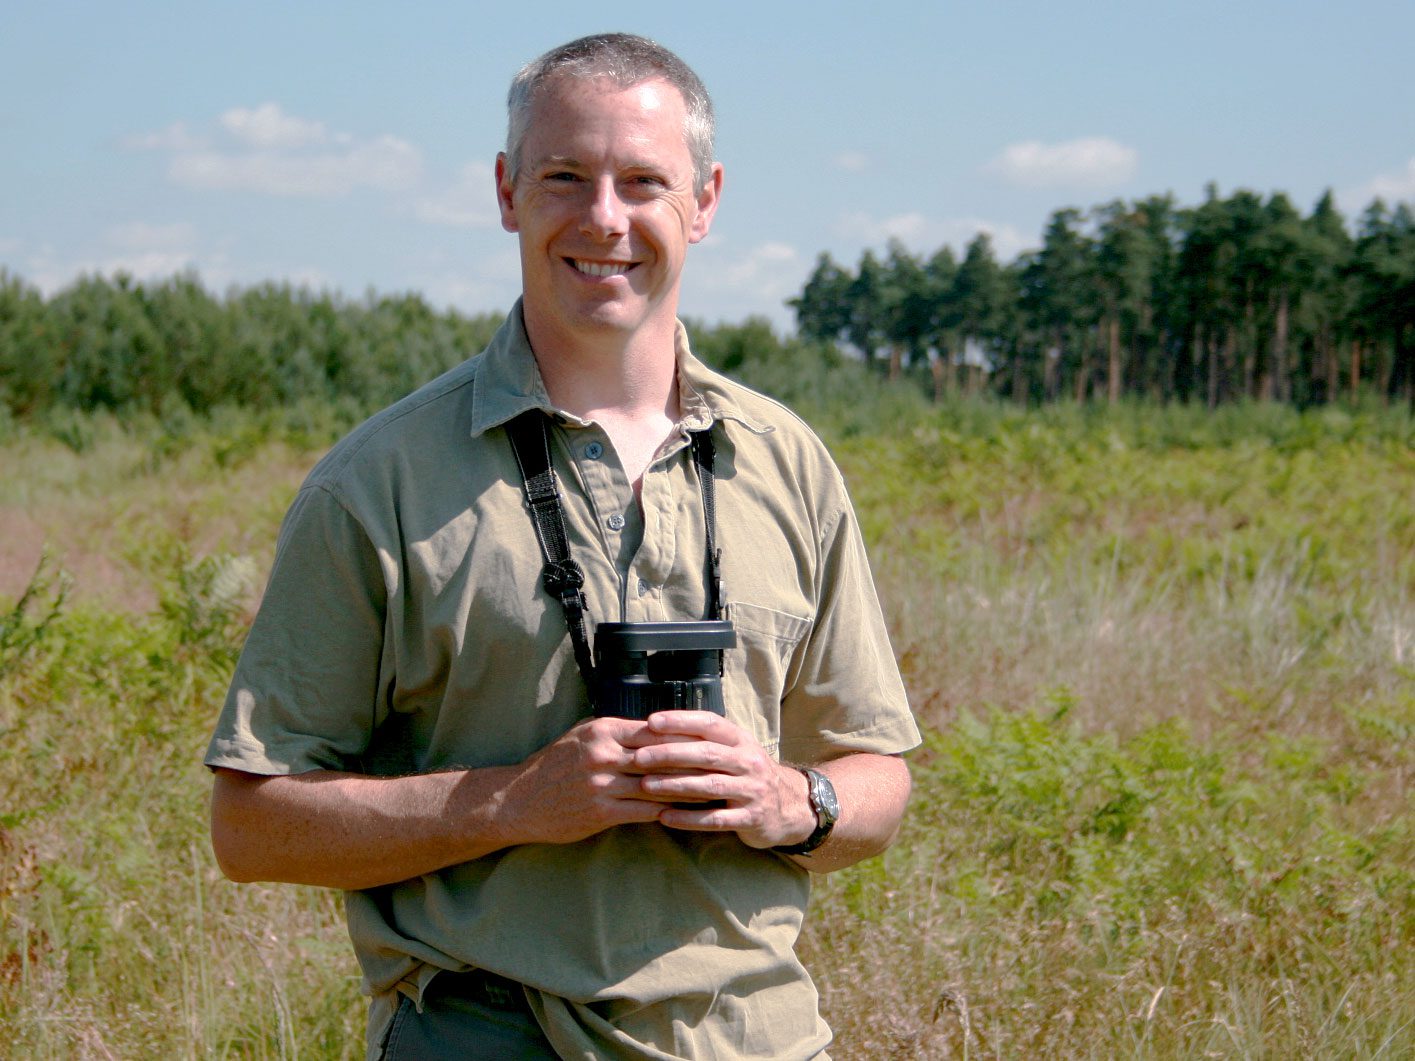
[
  {"x": 704, "y": 456},
  {"x": 563, "y": 579}
]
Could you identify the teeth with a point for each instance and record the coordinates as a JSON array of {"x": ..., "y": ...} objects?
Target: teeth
[{"x": 601, "y": 268}]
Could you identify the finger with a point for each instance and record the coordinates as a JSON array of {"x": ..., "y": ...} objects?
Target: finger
[
  {"x": 638, "y": 810},
  {"x": 691, "y": 756},
  {"x": 623, "y": 731},
  {"x": 645, "y": 738},
  {"x": 703, "y": 724},
  {"x": 688, "y": 786},
  {"x": 712, "y": 819}
]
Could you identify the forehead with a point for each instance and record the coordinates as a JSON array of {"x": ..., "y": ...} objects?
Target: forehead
[{"x": 570, "y": 116}]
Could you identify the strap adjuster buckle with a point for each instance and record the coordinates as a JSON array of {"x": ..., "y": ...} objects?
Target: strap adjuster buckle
[{"x": 563, "y": 578}]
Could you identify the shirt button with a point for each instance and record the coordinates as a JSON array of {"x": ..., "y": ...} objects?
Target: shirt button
[
  {"x": 616, "y": 522},
  {"x": 594, "y": 451},
  {"x": 643, "y": 586}
]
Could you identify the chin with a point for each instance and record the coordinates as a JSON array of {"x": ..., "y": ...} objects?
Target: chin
[{"x": 610, "y": 316}]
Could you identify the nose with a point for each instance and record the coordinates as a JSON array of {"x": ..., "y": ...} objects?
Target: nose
[{"x": 606, "y": 215}]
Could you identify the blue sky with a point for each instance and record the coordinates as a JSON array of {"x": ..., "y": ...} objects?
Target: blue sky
[{"x": 349, "y": 146}]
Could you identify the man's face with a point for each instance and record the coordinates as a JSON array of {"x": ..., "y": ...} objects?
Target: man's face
[{"x": 605, "y": 207}]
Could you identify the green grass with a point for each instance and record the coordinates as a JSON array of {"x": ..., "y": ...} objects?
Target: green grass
[{"x": 1165, "y": 661}]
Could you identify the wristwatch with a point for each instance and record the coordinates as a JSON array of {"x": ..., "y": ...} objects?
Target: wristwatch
[{"x": 827, "y": 808}]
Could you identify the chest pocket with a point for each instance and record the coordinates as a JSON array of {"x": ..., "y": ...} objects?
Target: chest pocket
[{"x": 761, "y": 669}]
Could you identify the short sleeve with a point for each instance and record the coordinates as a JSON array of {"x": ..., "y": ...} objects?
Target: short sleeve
[
  {"x": 848, "y": 695},
  {"x": 305, "y": 691}
]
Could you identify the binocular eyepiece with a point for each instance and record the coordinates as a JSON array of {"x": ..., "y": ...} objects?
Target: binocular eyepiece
[{"x": 641, "y": 668}]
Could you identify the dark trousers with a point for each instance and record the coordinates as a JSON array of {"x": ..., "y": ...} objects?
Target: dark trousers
[{"x": 466, "y": 1015}]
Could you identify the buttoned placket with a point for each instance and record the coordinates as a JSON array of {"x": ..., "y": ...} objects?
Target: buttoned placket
[
  {"x": 638, "y": 535},
  {"x": 658, "y": 501},
  {"x": 628, "y": 529}
]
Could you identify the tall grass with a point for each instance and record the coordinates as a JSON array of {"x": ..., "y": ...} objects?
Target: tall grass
[{"x": 1166, "y": 663}]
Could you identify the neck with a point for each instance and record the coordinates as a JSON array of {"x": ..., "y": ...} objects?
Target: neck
[
  {"x": 629, "y": 388},
  {"x": 609, "y": 376}
]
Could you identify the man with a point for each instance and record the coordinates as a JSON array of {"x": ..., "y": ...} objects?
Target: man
[{"x": 408, "y": 722}]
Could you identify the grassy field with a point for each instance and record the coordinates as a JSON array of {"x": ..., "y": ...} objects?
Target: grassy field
[{"x": 1166, "y": 663}]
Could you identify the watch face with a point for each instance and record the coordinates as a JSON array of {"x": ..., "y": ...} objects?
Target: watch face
[{"x": 826, "y": 800}]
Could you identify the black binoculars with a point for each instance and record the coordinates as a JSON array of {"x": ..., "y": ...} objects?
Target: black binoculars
[{"x": 641, "y": 668}]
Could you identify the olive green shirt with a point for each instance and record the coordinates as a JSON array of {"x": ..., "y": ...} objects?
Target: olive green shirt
[{"x": 405, "y": 630}]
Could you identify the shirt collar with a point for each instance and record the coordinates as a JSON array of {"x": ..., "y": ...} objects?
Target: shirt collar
[{"x": 509, "y": 382}]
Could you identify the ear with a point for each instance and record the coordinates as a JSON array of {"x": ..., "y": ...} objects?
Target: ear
[
  {"x": 504, "y": 188},
  {"x": 708, "y": 199}
]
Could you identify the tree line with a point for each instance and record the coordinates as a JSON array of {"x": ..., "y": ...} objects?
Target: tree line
[
  {"x": 172, "y": 350},
  {"x": 1236, "y": 298},
  {"x": 129, "y": 347}
]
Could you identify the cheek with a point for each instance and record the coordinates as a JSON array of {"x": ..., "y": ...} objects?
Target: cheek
[
  {"x": 673, "y": 229},
  {"x": 537, "y": 212}
]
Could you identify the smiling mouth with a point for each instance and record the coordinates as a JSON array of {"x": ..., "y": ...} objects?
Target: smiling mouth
[{"x": 600, "y": 268}]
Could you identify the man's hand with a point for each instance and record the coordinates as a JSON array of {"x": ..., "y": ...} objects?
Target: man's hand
[
  {"x": 697, "y": 756},
  {"x": 580, "y": 784}
]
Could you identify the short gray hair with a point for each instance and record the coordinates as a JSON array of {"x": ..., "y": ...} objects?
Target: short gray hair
[{"x": 625, "y": 60}]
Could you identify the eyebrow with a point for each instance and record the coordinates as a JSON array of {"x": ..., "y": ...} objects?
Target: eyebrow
[{"x": 571, "y": 162}]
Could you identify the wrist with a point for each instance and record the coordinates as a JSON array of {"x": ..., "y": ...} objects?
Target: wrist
[
  {"x": 823, "y": 811},
  {"x": 798, "y": 816}
]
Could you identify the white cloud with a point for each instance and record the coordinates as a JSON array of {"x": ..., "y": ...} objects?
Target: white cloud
[
  {"x": 730, "y": 280},
  {"x": 1391, "y": 187},
  {"x": 52, "y": 273},
  {"x": 144, "y": 265},
  {"x": 488, "y": 277},
  {"x": 469, "y": 294},
  {"x": 268, "y": 126},
  {"x": 925, "y": 235},
  {"x": 469, "y": 202},
  {"x": 760, "y": 270},
  {"x": 754, "y": 281},
  {"x": 1089, "y": 162},
  {"x": 310, "y": 276},
  {"x": 10, "y": 246},
  {"x": 264, "y": 149},
  {"x": 143, "y": 250},
  {"x": 912, "y": 228},
  {"x": 775, "y": 252},
  {"x": 45, "y": 272},
  {"x": 385, "y": 163},
  {"x": 1008, "y": 241},
  {"x": 175, "y": 137},
  {"x": 852, "y": 161},
  {"x": 141, "y": 236}
]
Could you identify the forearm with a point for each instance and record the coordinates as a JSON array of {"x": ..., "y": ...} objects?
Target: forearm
[
  {"x": 350, "y": 831},
  {"x": 873, "y": 792}
]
